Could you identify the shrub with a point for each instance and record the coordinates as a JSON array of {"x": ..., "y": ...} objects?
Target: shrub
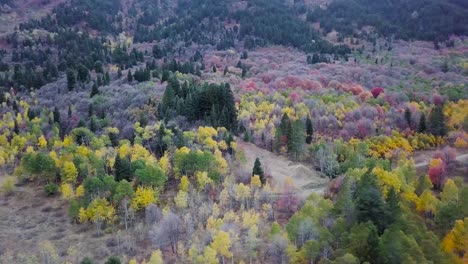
[
  {"x": 113, "y": 260},
  {"x": 87, "y": 260},
  {"x": 51, "y": 189},
  {"x": 73, "y": 210},
  {"x": 8, "y": 185},
  {"x": 39, "y": 164}
]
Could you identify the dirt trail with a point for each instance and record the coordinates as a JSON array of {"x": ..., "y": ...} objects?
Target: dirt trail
[
  {"x": 463, "y": 158},
  {"x": 305, "y": 178}
]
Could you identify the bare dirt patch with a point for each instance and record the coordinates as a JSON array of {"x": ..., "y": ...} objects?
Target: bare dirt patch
[
  {"x": 304, "y": 177},
  {"x": 29, "y": 217}
]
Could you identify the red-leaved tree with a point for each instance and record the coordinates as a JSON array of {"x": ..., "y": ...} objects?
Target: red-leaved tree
[
  {"x": 437, "y": 171},
  {"x": 377, "y": 91}
]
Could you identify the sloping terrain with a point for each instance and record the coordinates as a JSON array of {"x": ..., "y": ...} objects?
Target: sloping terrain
[
  {"x": 433, "y": 20},
  {"x": 305, "y": 179},
  {"x": 13, "y": 13},
  {"x": 29, "y": 218}
]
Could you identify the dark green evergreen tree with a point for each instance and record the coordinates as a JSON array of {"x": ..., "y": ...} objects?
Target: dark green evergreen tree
[
  {"x": 87, "y": 260},
  {"x": 94, "y": 90},
  {"x": 71, "y": 79},
  {"x": 168, "y": 97},
  {"x": 82, "y": 73},
  {"x": 245, "y": 55},
  {"x": 122, "y": 168},
  {"x": 296, "y": 139},
  {"x": 16, "y": 128},
  {"x": 93, "y": 124},
  {"x": 165, "y": 76},
  {"x": 285, "y": 125},
  {"x": 247, "y": 136},
  {"x": 370, "y": 205},
  {"x": 344, "y": 205},
  {"x": 372, "y": 246},
  {"x": 129, "y": 76},
  {"x": 437, "y": 123},
  {"x": 422, "y": 124},
  {"x": 393, "y": 206},
  {"x": 107, "y": 78},
  {"x": 157, "y": 52},
  {"x": 113, "y": 139},
  {"x": 309, "y": 130},
  {"x": 56, "y": 115},
  {"x": 258, "y": 170},
  {"x": 113, "y": 260},
  {"x": 408, "y": 116},
  {"x": 81, "y": 123}
]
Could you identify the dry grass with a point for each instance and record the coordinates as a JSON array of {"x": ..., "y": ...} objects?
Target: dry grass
[
  {"x": 29, "y": 217},
  {"x": 306, "y": 180}
]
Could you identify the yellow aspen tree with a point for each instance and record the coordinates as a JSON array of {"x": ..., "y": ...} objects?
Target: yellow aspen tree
[
  {"x": 144, "y": 196},
  {"x": 29, "y": 149},
  {"x": 450, "y": 192},
  {"x": 255, "y": 182},
  {"x": 250, "y": 219},
  {"x": 210, "y": 143},
  {"x": 165, "y": 163},
  {"x": 209, "y": 256},
  {"x": 67, "y": 141},
  {"x": 203, "y": 180},
  {"x": 387, "y": 180},
  {"x": 455, "y": 242},
  {"x": 82, "y": 216},
  {"x": 8, "y": 185},
  {"x": 222, "y": 244},
  {"x": 67, "y": 190},
  {"x": 48, "y": 252},
  {"x": 42, "y": 142},
  {"x": 98, "y": 212},
  {"x": 427, "y": 203},
  {"x": 156, "y": 257},
  {"x": 213, "y": 223},
  {"x": 83, "y": 151},
  {"x": 184, "y": 183},
  {"x": 205, "y": 133},
  {"x": 125, "y": 150},
  {"x": 3, "y": 157},
  {"x": 231, "y": 216},
  {"x": 79, "y": 191},
  {"x": 222, "y": 145},
  {"x": 181, "y": 199},
  {"x": 222, "y": 163},
  {"x": 460, "y": 143},
  {"x": 243, "y": 194},
  {"x": 69, "y": 172}
]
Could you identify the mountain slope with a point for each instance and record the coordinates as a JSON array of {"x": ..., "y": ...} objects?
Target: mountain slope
[{"x": 432, "y": 20}]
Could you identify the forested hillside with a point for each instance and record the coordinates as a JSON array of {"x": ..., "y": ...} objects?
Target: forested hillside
[
  {"x": 257, "y": 131},
  {"x": 433, "y": 20}
]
